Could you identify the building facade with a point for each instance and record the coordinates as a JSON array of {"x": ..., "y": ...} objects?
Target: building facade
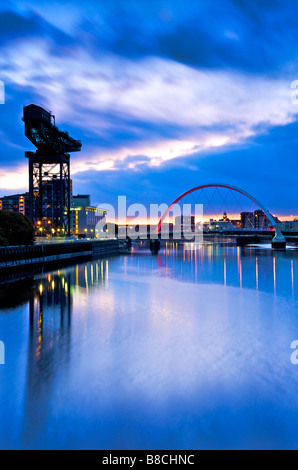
[
  {"x": 15, "y": 203},
  {"x": 247, "y": 220},
  {"x": 84, "y": 217},
  {"x": 221, "y": 225},
  {"x": 185, "y": 223},
  {"x": 289, "y": 225},
  {"x": 261, "y": 221}
]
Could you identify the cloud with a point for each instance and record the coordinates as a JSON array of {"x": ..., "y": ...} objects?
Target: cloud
[
  {"x": 151, "y": 87},
  {"x": 14, "y": 180},
  {"x": 249, "y": 36},
  {"x": 210, "y": 108}
]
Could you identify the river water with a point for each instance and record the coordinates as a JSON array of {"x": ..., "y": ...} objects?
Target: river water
[{"x": 190, "y": 349}]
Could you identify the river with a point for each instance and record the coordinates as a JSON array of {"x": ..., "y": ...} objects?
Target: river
[{"x": 189, "y": 349}]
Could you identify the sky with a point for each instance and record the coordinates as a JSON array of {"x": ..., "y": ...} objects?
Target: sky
[{"x": 164, "y": 95}]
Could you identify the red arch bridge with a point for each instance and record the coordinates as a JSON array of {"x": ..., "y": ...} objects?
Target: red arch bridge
[{"x": 278, "y": 240}]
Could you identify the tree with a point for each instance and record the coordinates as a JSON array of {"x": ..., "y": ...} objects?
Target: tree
[
  {"x": 15, "y": 229},
  {"x": 3, "y": 240}
]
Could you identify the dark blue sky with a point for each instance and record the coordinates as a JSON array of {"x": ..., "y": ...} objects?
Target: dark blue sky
[{"x": 165, "y": 95}]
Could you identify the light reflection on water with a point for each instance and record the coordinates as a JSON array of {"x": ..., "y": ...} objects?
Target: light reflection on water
[{"x": 188, "y": 349}]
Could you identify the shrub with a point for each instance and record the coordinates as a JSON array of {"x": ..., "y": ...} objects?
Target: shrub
[{"x": 15, "y": 229}]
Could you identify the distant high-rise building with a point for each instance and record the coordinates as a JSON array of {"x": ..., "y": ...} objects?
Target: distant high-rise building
[
  {"x": 261, "y": 221},
  {"x": 22, "y": 205},
  {"x": 15, "y": 203},
  {"x": 256, "y": 220},
  {"x": 247, "y": 220}
]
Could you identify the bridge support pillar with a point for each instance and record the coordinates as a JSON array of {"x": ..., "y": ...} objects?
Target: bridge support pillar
[
  {"x": 279, "y": 242},
  {"x": 155, "y": 246}
]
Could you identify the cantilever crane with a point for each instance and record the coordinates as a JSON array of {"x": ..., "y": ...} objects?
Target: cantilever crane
[
  {"x": 44, "y": 134},
  {"x": 49, "y": 170}
]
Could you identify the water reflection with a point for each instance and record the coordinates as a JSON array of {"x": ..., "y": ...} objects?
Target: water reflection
[
  {"x": 50, "y": 310},
  {"x": 50, "y": 314},
  {"x": 142, "y": 351},
  {"x": 253, "y": 267},
  {"x": 51, "y": 299}
]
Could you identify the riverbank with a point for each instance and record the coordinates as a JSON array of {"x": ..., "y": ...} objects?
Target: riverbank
[
  {"x": 21, "y": 263},
  {"x": 16, "y": 256}
]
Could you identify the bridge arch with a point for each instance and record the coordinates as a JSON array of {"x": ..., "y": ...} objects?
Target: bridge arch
[{"x": 278, "y": 235}]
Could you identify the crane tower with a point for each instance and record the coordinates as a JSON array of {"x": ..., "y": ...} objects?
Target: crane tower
[{"x": 49, "y": 170}]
